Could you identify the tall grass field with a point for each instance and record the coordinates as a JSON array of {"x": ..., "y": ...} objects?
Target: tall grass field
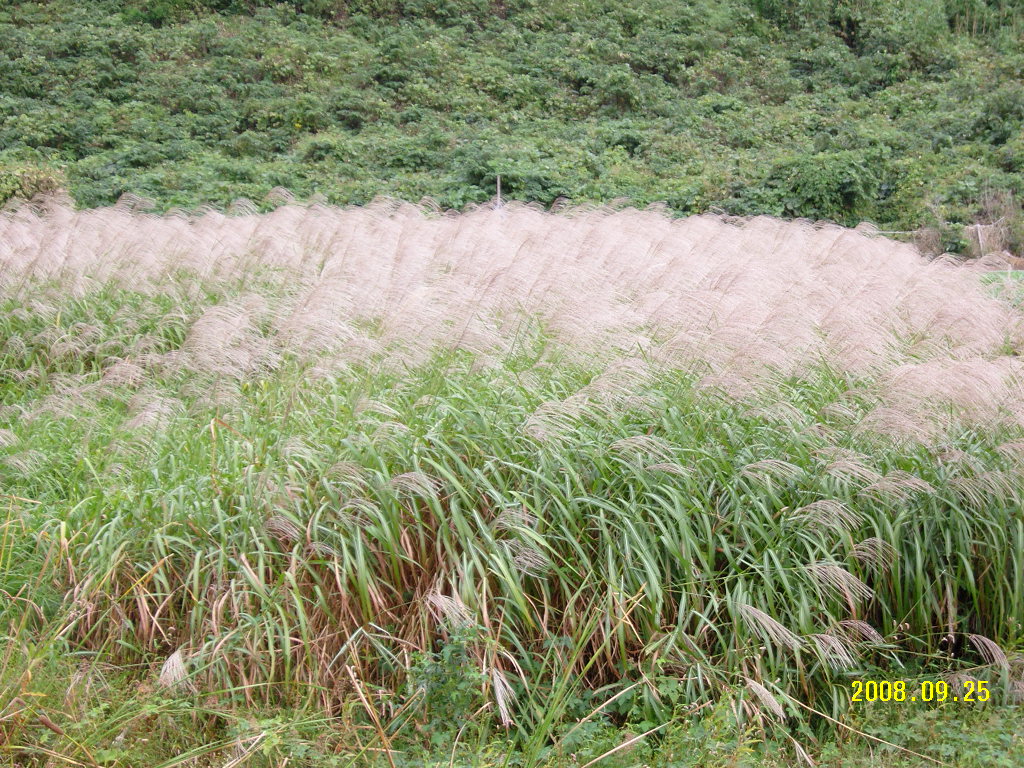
[{"x": 394, "y": 486}]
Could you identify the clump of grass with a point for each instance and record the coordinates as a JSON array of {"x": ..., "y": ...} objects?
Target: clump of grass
[{"x": 285, "y": 460}]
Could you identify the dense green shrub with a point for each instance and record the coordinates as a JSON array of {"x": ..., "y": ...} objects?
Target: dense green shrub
[
  {"x": 27, "y": 181},
  {"x": 839, "y": 185},
  {"x": 747, "y": 105}
]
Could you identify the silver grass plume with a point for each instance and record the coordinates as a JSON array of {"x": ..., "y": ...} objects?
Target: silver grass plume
[
  {"x": 527, "y": 557},
  {"x": 775, "y": 469},
  {"x": 504, "y": 696},
  {"x": 898, "y": 485},
  {"x": 828, "y": 513},
  {"x": 359, "y": 509},
  {"x": 123, "y": 373},
  {"x": 979, "y": 488},
  {"x": 1012, "y": 450},
  {"x": 25, "y": 463},
  {"x": 850, "y": 468},
  {"x": 669, "y": 468},
  {"x": 875, "y": 553},
  {"x": 716, "y": 296},
  {"x": 450, "y": 609},
  {"x": 416, "y": 484},
  {"x": 765, "y": 699},
  {"x": 783, "y": 412},
  {"x": 862, "y": 630},
  {"x": 297, "y": 449},
  {"x": 834, "y": 579},
  {"x": 368, "y": 405},
  {"x": 7, "y": 438},
  {"x": 834, "y": 650},
  {"x": 767, "y": 628},
  {"x": 284, "y": 529},
  {"x": 644, "y": 445},
  {"x": 989, "y": 651},
  {"x": 151, "y": 411},
  {"x": 802, "y": 753},
  {"x": 514, "y": 517},
  {"x": 174, "y": 675}
]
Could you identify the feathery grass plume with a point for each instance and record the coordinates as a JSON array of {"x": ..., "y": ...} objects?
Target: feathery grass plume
[
  {"x": 774, "y": 469},
  {"x": 841, "y": 412},
  {"x": 835, "y": 579},
  {"x": 553, "y": 419},
  {"x": 902, "y": 424},
  {"x": 982, "y": 487},
  {"x": 416, "y": 484},
  {"x": 897, "y": 485},
  {"x": 85, "y": 679},
  {"x": 765, "y": 699},
  {"x": 957, "y": 680},
  {"x": 767, "y": 628},
  {"x": 1013, "y": 449},
  {"x": 225, "y": 340},
  {"x": 279, "y": 196},
  {"x": 735, "y": 290},
  {"x": 802, "y": 753},
  {"x": 850, "y": 468},
  {"x": 644, "y": 446},
  {"x": 174, "y": 675},
  {"x": 7, "y": 438},
  {"x": 620, "y": 379},
  {"x": 347, "y": 473},
  {"x": 148, "y": 410},
  {"x": 369, "y": 405},
  {"x": 449, "y": 608},
  {"x": 669, "y": 468},
  {"x": 322, "y": 550},
  {"x": 123, "y": 373},
  {"x": 14, "y": 345},
  {"x": 782, "y": 413},
  {"x": 243, "y": 207},
  {"x": 862, "y": 630},
  {"x": 389, "y": 434},
  {"x": 359, "y": 509},
  {"x": 828, "y": 513},
  {"x": 513, "y": 517},
  {"x": 527, "y": 557},
  {"x": 975, "y": 387},
  {"x": 834, "y": 650},
  {"x": 875, "y": 553},
  {"x": 954, "y": 457},
  {"x": 504, "y": 696},
  {"x": 284, "y": 529},
  {"x": 25, "y": 463},
  {"x": 989, "y": 651},
  {"x": 300, "y": 451}
]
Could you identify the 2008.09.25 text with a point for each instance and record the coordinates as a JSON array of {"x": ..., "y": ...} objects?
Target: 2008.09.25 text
[{"x": 937, "y": 691}]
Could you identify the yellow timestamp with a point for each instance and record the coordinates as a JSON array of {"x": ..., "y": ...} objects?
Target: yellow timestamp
[{"x": 919, "y": 690}]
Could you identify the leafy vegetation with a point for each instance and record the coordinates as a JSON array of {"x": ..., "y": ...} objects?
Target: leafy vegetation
[{"x": 906, "y": 113}]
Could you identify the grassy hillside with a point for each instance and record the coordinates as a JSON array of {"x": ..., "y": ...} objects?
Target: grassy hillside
[
  {"x": 905, "y": 113},
  {"x": 299, "y": 485},
  {"x": 344, "y": 487}
]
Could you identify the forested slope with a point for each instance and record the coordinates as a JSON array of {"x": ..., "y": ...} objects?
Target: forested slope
[{"x": 905, "y": 113}]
